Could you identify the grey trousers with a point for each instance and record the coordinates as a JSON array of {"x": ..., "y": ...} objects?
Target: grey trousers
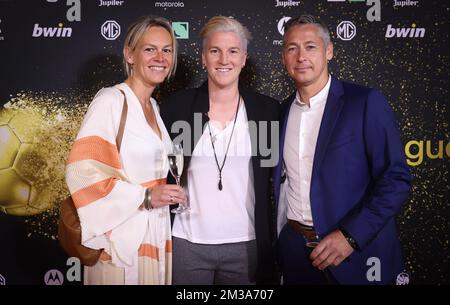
[{"x": 221, "y": 264}]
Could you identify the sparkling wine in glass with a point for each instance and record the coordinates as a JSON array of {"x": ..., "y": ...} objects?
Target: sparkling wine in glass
[{"x": 176, "y": 162}]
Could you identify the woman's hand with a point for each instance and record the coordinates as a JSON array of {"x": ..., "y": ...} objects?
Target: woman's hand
[{"x": 167, "y": 194}]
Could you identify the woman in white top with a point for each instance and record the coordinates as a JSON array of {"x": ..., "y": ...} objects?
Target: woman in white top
[
  {"x": 226, "y": 236},
  {"x": 122, "y": 198}
]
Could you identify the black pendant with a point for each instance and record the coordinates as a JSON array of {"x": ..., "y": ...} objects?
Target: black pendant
[{"x": 220, "y": 184}]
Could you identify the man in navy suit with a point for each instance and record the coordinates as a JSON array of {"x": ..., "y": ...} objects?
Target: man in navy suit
[{"x": 342, "y": 176}]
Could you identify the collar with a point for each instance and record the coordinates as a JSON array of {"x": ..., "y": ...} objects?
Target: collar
[{"x": 319, "y": 98}]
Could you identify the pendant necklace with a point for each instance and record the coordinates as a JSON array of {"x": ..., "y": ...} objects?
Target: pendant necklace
[{"x": 219, "y": 185}]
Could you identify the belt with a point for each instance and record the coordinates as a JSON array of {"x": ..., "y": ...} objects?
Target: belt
[{"x": 306, "y": 231}]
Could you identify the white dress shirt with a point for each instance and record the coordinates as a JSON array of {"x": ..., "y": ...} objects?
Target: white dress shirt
[
  {"x": 299, "y": 147},
  {"x": 227, "y": 216}
]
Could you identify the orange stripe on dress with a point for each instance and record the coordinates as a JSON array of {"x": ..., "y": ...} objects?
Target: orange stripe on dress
[
  {"x": 93, "y": 192},
  {"x": 153, "y": 183},
  {"x": 105, "y": 256},
  {"x": 146, "y": 250},
  {"x": 95, "y": 148},
  {"x": 149, "y": 250},
  {"x": 168, "y": 246}
]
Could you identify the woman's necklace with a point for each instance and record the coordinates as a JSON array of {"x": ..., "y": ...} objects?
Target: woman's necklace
[{"x": 220, "y": 168}]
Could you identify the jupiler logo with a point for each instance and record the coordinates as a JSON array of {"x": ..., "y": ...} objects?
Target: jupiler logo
[
  {"x": 405, "y": 3},
  {"x": 110, "y": 30},
  {"x": 110, "y": 3},
  {"x": 279, "y": 3}
]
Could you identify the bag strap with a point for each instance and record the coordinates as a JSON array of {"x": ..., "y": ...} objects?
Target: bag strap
[{"x": 123, "y": 120}]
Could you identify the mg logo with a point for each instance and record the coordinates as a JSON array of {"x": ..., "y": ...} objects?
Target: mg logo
[
  {"x": 346, "y": 30},
  {"x": 282, "y": 24},
  {"x": 54, "y": 277},
  {"x": 110, "y": 30},
  {"x": 181, "y": 30}
]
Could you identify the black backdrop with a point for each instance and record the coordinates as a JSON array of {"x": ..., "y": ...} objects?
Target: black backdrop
[{"x": 46, "y": 83}]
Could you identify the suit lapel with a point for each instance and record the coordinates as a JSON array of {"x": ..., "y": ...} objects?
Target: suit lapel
[
  {"x": 330, "y": 116},
  {"x": 200, "y": 107}
]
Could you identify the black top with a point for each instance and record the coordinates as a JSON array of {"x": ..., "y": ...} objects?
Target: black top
[{"x": 187, "y": 104}]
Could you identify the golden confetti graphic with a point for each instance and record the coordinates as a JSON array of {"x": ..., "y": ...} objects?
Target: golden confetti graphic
[{"x": 36, "y": 133}]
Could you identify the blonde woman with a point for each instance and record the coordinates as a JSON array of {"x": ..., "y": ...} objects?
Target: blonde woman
[{"x": 122, "y": 197}]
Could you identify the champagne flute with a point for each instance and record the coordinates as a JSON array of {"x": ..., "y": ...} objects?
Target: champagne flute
[{"x": 176, "y": 162}]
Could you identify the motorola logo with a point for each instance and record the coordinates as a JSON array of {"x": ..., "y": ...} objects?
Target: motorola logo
[
  {"x": 53, "y": 277},
  {"x": 282, "y": 23}
]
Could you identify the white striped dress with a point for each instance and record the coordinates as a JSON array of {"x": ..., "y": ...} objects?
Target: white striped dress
[{"x": 108, "y": 190}]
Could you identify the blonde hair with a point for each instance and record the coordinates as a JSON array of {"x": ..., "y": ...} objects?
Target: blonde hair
[
  {"x": 225, "y": 24},
  {"x": 137, "y": 30}
]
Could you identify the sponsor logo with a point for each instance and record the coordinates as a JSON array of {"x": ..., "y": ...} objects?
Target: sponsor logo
[
  {"x": 286, "y": 3},
  {"x": 416, "y": 151},
  {"x": 373, "y": 274},
  {"x": 2, "y": 280},
  {"x": 346, "y": 30},
  {"x": 53, "y": 277},
  {"x": 412, "y": 32},
  {"x": 74, "y": 11},
  {"x": 402, "y": 279},
  {"x": 110, "y": 3},
  {"x": 281, "y": 24},
  {"x": 51, "y": 32},
  {"x": 110, "y": 30},
  {"x": 405, "y": 3},
  {"x": 168, "y": 4},
  {"x": 181, "y": 30},
  {"x": 373, "y": 13}
]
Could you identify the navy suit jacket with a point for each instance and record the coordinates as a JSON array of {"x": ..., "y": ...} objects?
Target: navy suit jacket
[{"x": 359, "y": 179}]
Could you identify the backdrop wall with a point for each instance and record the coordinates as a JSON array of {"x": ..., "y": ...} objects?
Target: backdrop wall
[{"x": 55, "y": 55}]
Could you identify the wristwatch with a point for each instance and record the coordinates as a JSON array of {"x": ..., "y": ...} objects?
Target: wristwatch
[
  {"x": 147, "y": 199},
  {"x": 350, "y": 240}
]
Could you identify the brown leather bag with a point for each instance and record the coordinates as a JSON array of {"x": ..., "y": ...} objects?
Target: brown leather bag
[{"x": 69, "y": 228}]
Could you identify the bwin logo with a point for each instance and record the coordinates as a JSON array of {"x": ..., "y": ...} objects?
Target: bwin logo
[
  {"x": 60, "y": 31},
  {"x": 411, "y": 32}
]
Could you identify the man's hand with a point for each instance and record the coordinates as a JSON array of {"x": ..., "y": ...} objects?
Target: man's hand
[{"x": 331, "y": 250}]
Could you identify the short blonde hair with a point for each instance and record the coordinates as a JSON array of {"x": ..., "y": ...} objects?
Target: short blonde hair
[
  {"x": 137, "y": 30},
  {"x": 225, "y": 24}
]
